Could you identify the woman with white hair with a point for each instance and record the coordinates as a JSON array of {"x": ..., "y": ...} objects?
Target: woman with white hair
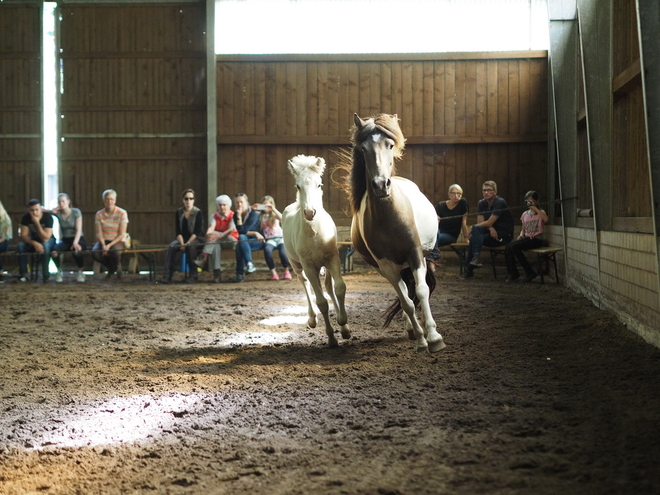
[
  {"x": 5, "y": 236},
  {"x": 221, "y": 234}
]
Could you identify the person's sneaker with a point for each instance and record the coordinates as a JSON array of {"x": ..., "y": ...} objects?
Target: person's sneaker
[
  {"x": 287, "y": 275},
  {"x": 58, "y": 277},
  {"x": 237, "y": 279},
  {"x": 530, "y": 276},
  {"x": 512, "y": 277},
  {"x": 467, "y": 274},
  {"x": 476, "y": 262},
  {"x": 81, "y": 277},
  {"x": 275, "y": 277},
  {"x": 190, "y": 280},
  {"x": 23, "y": 279},
  {"x": 250, "y": 268},
  {"x": 201, "y": 260}
]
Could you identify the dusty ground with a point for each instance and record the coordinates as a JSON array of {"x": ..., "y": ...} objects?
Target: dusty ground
[{"x": 134, "y": 387}]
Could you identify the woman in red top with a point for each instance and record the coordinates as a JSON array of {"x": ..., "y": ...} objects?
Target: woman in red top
[{"x": 221, "y": 234}]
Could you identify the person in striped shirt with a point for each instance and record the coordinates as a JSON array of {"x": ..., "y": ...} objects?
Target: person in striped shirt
[{"x": 110, "y": 224}]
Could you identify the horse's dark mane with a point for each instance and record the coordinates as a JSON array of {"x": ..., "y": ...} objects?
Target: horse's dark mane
[{"x": 356, "y": 185}]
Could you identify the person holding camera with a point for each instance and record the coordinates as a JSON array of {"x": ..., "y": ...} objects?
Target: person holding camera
[{"x": 531, "y": 236}]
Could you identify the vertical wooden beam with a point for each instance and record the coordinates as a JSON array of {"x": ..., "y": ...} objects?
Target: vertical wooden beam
[
  {"x": 594, "y": 203},
  {"x": 563, "y": 74},
  {"x": 211, "y": 111}
]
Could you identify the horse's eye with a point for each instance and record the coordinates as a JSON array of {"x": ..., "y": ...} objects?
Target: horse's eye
[
  {"x": 390, "y": 146},
  {"x": 320, "y": 186},
  {"x": 297, "y": 187}
]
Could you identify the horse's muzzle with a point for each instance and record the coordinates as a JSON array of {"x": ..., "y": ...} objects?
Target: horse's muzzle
[
  {"x": 309, "y": 214},
  {"x": 381, "y": 186}
]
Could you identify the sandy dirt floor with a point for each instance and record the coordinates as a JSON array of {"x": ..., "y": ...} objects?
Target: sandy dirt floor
[{"x": 135, "y": 387}]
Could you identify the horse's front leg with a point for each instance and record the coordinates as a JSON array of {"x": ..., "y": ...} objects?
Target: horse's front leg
[
  {"x": 433, "y": 338},
  {"x": 311, "y": 313},
  {"x": 336, "y": 288},
  {"x": 322, "y": 304},
  {"x": 392, "y": 275}
]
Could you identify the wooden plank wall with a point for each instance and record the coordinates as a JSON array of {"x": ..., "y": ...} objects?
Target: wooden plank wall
[
  {"x": 467, "y": 118},
  {"x": 20, "y": 107},
  {"x": 629, "y": 151},
  {"x": 134, "y": 110}
]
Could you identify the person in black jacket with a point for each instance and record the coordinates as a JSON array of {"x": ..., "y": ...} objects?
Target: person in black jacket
[{"x": 188, "y": 225}]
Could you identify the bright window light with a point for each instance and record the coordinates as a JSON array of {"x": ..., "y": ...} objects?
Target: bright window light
[{"x": 379, "y": 26}]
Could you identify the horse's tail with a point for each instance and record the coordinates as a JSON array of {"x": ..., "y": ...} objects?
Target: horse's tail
[{"x": 407, "y": 276}]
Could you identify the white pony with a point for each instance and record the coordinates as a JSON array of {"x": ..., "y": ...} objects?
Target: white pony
[{"x": 310, "y": 239}]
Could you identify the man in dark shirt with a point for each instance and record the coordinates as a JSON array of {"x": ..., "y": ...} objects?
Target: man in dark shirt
[
  {"x": 36, "y": 237},
  {"x": 494, "y": 227}
]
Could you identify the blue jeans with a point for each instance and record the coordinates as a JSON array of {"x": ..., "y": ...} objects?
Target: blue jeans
[
  {"x": 479, "y": 238},
  {"x": 244, "y": 250},
  {"x": 268, "y": 255},
  {"x": 24, "y": 248},
  {"x": 444, "y": 239}
]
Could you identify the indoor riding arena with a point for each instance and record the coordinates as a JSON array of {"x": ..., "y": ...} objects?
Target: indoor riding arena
[{"x": 214, "y": 379}]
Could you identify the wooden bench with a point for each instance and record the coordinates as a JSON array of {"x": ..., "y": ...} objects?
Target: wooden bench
[
  {"x": 459, "y": 248},
  {"x": 545, "y": 255}
]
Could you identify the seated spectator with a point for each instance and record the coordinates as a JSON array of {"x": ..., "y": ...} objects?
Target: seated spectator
[
  {"x": 111, "y": 223},
  {"x": 5, "y": 236},
  {"x": 494, "y": 227},
  {"x": 249, "y": 237},
  {"x": 36, "y": 237},
  {"x": 220, "y": 235},
  {"x": 452, "y": 220},
  {"x": 531, "y": 237},
  {"x": 188, "y": 225},
  {"x": 71, "y": 235},
  {"x": 272, "y": 232}
]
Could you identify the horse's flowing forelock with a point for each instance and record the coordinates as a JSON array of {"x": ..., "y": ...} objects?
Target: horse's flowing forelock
[{"x": 383, "y": 123}]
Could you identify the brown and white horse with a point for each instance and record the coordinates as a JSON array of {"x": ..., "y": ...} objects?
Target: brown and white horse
[{"x": 394, "y": 224}]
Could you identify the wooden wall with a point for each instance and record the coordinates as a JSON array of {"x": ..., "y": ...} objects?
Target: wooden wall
[
  {"x": 615, "y": 265},
  {"x": 134, "y": 110},
  {"x": 467, "y": 118},
  {"x": 20, "y": 107},
  {"x": 630, "y": 160}
]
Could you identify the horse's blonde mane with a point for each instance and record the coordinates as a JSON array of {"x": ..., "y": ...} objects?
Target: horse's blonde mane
[
  {"x": 313, "y": 163},
  {"x": 356, "y": 181}
]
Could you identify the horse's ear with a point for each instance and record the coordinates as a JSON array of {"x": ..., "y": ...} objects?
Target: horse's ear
[
  {"x": 320, "y": 165},
  {"x": 291, "y": 167},
  {"x": 358, "y": 121}
]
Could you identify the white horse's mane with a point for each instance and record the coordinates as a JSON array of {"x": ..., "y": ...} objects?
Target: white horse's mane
[{"x": 313, "y": 163}]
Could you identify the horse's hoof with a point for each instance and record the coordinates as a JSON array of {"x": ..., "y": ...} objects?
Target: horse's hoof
[
  {"x": 422, "y": 348},
  {"x": 311, "y": 323},
  {"x": 437, "y": 346},
  {"x": 345, "y": 332},
  {"x": 333, "y": 343}
]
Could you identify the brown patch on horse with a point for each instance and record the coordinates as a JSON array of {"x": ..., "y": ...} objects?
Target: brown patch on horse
[{"x": 399, "y": 241}]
